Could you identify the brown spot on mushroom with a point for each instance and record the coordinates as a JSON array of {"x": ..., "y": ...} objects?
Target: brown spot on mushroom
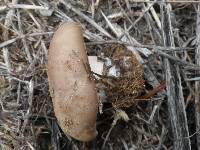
[
  {"x": 68, "y": 123},
  {"x": 68, "y": 65}
]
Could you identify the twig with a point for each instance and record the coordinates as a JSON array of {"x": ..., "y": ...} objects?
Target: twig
[
  {"x": 140, "y": 17},
  {"x": 25, "y": 6},
  {"x": 7, "y": 23},
  {"x": 154, "y": 91},
  {"x": 162, "y": 137},
  {"x": 22, "y": 6},
  {"x": 154, "y": 47},
  {"x": 23, "y": 39},
  {"x": 30, "y": 102},
  {"x": 3, "y": 8},
  {"x": 8, "y": 42},
  {"x": 193, "y": 79},
  {"x": 155, "y": 16},
  {"x": 177, "y": 60},
  {"x": 123, "y": 11}
]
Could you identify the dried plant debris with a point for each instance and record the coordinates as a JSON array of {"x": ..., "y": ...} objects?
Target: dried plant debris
[
  {"x": 123, "y": 76},
  {"x": 162, "y": 35}
]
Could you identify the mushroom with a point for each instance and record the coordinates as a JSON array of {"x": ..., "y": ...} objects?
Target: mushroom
[{"x": 73, "y": 92}]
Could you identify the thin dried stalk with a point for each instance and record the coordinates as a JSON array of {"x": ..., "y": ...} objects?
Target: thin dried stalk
[{"x": 176, "y": 106}]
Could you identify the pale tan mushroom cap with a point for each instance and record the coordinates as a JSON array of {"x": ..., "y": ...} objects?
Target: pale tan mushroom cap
[{"x": 73, "y": 93}]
